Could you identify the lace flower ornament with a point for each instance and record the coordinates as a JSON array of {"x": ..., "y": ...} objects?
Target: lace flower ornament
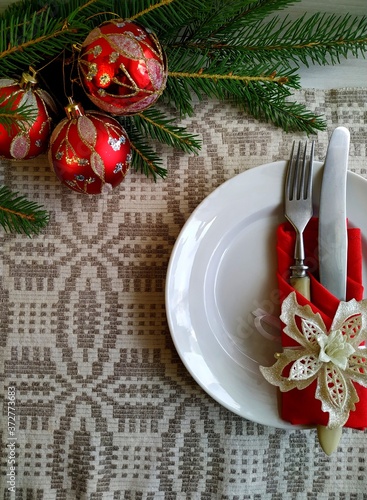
[{"x": 334, "y": 358}]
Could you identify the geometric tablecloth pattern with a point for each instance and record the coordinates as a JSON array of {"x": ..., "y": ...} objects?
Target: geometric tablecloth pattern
[{"x": 104, "y": 407}]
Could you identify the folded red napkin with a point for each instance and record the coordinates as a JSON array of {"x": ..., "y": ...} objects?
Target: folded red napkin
[{"x": 300, "y": 406}]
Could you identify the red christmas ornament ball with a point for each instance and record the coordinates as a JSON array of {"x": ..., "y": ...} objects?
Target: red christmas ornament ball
[
  {"x": 22, "y": 143},
  {"x": 122, "y": 67},
  {"x": 89, "y": 151}
]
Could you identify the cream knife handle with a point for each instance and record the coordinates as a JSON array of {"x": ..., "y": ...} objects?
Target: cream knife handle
[{"x": 328, "y": 438}]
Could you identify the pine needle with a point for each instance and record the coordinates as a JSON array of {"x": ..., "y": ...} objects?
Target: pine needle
[
  {"x": 19, "y": 215},
  {"x": 238, "y": 51},
  {"x": 144, "y": 158},
  {"x": 156, "y": 125},
  {"x": 20, "y": 117}
]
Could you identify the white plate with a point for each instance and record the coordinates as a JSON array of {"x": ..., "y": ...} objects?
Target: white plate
[{"x": 222, "y": 268}]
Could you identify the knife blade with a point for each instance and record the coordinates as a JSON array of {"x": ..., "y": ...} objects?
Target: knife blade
[{"x": 333, "y": 240}]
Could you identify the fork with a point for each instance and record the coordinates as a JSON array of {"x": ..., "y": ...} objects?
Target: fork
[{"x": 298, "y": 210}]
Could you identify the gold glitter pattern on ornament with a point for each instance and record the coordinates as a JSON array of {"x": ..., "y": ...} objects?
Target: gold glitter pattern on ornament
[
  {"x": 6, "y": 82},
  {"x": 118, "y": 168},
  {"x": 92, "y": 71},
  {"x": 19, "y": 146},
  {"x": 334, "y": 358},
  {"x": 116, "y": 143},
  {"x": 29, "y": 138},
  {"x": 87, "y": 130},
  {"x": 130, "y": 73},
  {"x": 86, "y": 148},
  {"x": 83, "y": 162},
  {"x": 104, "y": 79},
  {"x": 127, "y": 46},
  {"x": 97, "y": 165},
  {"x": 97, "y": 50},
  {"x": 93, "y": 36},
  {"x": 113, "y": 57},
  {"x": 72, "y": 160}
]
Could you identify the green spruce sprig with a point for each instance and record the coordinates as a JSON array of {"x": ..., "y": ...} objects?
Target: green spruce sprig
[
  {"x": 238, "y": 51},
  {"x": 20, "y": 117},
  {"x": 19, "y": 215},
  {"x": 156, "y": 125},
  {"x": 32, "y": 33},
  {"x": 144, "y": 158}
]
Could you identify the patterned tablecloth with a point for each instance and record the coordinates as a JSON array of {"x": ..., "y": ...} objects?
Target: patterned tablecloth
[{"x": 104, "y": 406}]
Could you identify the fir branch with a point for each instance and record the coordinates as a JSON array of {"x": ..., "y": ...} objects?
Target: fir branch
[
  {"x": 167, "y": 21},
  {"x": 82, "y": 9},
  {"x": 211, "y": 18},
  {"x": 21, "y": 117},
  {"x": 250, "y": 13},
  {"x": 223, "y": 50},
  {"x": 322, "y": 39},
  {"x": 224, "y": 84},
  {"x": 178, "y": 93},
  {"x": 150, "y": 9},
  {"x": 155, "y": 124},
  {"x": 272, "y": 77},
  {"x": 144, "y": 159},
  {"x": 17, "y": 214},
  {"x": 28, "y": 37},
  {"x": 319, "y": 39},
  {"x": 19, "y": 50},
  {"x": 290, "y": 116},
  {"x": 216, "y": 21}
]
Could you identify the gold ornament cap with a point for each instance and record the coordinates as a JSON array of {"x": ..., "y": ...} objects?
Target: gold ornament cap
[
  {"x": 28, "y": 80},
  {"x": 73, "y": 109}
]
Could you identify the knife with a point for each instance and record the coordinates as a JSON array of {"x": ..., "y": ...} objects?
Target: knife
[{"x": 333, "y": 242}]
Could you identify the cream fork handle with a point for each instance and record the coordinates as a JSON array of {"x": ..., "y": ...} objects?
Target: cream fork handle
[
  {"x": 302, "y": 285},
  {"x": 328, "y": 438}
]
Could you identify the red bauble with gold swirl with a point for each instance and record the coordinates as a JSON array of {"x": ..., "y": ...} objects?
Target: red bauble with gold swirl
[
  {"x": 89, "y": 151},
  {"x": 25, "y": 140},
  {"x": 122, "y": 67}
]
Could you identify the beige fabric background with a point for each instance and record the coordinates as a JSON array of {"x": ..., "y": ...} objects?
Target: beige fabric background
[{"x": 105, "y": 408}]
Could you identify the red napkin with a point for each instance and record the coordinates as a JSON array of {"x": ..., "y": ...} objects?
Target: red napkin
[{"x": 300, "y": 406}]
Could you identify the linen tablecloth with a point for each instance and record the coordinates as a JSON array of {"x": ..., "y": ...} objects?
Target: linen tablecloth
[{"x": 104, "y": 406}]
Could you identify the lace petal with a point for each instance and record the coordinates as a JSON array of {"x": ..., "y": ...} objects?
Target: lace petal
[
  {"x": 350, "y": 318},
  {"x": 273, "y": 374},
  {"x": 337, "y": 395},
  {"x": 311, "y": 330},
  {"x": 305, "y": 367},
  {"x": 357, "y": 368},
  {"x": 290, "y": 310}
]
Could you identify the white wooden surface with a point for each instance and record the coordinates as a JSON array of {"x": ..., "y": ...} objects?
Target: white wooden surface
[{"x": 350, "y": 73}]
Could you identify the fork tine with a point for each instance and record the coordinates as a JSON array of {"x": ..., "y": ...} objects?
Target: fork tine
[
  {"x": 296, "y": 174},
  {"x": 290, "y": 175},
  {"x": 299, "y": 176},
  {"x": 304, "y": 175},
  {"x": 310, "y": 171}
]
